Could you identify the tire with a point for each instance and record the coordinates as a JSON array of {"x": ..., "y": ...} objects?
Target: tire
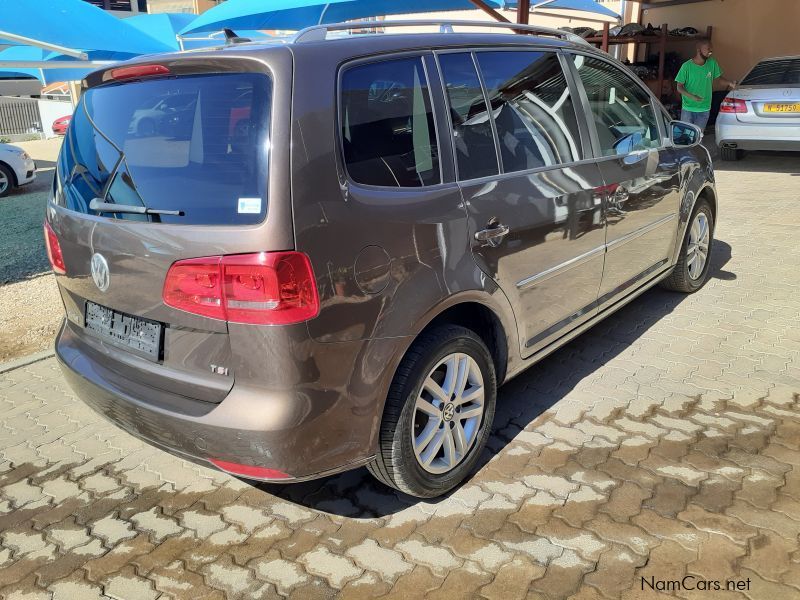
[
  {"x": 730, "y": 154},
  {"x": 432, "y": 355},
  {"x": 7, "y": 181},
  {"x": 682, "y": 278}
]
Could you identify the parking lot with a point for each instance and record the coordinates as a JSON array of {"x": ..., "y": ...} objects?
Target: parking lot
[{"x": 665, "y": 442}]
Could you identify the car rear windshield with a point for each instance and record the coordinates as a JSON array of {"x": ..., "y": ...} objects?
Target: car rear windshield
[
  {"x": 784, "y": 71},
  {"x": 195, "y": 144}
]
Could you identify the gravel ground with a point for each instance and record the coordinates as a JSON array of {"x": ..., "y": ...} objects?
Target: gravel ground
[
  {"x": 30, "y": 313},
  {"x": 30, "y": 309}
]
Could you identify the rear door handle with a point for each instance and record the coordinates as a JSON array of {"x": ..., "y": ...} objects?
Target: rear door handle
[{"x": 492, "y": 236}]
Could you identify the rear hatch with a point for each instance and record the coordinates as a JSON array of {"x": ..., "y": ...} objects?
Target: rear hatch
[
  {"x": 195, "y": 148},
  {"x": 771, "y": 92}
]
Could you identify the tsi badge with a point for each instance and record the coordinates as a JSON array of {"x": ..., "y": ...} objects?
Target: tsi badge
[{"x": 100, "y": 274}]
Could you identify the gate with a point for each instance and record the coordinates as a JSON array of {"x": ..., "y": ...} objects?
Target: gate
[{"x": 19, "y": 116}]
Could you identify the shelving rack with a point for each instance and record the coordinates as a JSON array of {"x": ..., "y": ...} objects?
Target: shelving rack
[{"x": 663, "y": 37}]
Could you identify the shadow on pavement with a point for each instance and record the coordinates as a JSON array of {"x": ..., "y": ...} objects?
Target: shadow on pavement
[
  {"x": 762, "y": 162},
  {"x": 520, "y": 402}
]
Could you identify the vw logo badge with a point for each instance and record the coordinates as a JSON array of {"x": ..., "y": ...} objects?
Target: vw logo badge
[{"x": 100, "y": 274}]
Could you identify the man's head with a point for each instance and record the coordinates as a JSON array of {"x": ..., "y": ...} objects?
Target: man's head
[{"x": 704, "y": 49}]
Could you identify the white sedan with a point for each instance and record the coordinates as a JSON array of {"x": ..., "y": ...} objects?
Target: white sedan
[
  {"x": 16, "y": 168},
  {"x": 763, "y": 113}
]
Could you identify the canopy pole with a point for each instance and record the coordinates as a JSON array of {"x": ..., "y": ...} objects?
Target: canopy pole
[
  {"x": 55, "y": 64},
  {"x": 523, "y": 11},
  {"x": 490, "y": 11},
  {"x": 44, "y": 45},
  {"x": 322, "y": 14}
]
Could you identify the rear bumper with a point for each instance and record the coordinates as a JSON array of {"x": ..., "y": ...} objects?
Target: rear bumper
[
  {"x": 752, "y": 136},
  {"x": 288, "y": 431}
]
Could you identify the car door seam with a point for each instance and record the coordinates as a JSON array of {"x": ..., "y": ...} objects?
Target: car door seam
[{"x": 621, "y": 241}]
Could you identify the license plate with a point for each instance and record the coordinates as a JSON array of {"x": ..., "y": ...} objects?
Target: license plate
[
  {"x": 129, "y": 332},
  {"x": 782, "y": 108}
]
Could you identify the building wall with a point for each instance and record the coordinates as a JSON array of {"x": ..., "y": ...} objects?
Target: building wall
[
  {"x": 745, "y": 31},
  {"x": 120, "y": 8},
  {"x": 20, "y": 87},
  {"x": 180, "y": 6}
]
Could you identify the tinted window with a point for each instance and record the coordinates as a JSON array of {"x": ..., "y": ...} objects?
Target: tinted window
[
  {"x": 621, "y": 110},
  {"x": 387, "y": 124},
  {"x": 195, "y": 144},
  {"x": 476, "y": 154},
  {"x": 785, "y": 71},
  {"x": 532, "y": 109}
]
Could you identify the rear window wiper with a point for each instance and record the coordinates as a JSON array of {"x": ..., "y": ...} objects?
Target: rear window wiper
[{"x": 109, "y": 207}]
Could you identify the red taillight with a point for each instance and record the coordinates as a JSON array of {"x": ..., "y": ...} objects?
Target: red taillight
[
  {"x": 267, "y": 288},
  {"x": 248, "y": 470},
  {"x": 139, "y": 71},
  {"x": 733, "y": 105},
  {"x": 54, "y": 253}
]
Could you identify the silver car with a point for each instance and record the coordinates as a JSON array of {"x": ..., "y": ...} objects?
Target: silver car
[{"x": 763, "y": 113}]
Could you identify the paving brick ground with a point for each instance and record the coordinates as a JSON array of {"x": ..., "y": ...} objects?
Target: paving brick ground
[{"x": 663, "y": 443}]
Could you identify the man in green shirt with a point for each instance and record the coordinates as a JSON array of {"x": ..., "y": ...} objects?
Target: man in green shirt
[{"x": 696, "y": 82}]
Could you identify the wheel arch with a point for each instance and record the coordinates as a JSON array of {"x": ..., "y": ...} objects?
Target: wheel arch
[
  {"x": 487, "y": 314},
  {"x": 481, "y": 319},
  {"x": 10, "y": 169}
]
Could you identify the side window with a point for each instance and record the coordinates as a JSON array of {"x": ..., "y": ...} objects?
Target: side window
[
  {"x": 622, "y": 112},
  {"x": 387, "y": 124},
  {"x": 476, "y": 155},
  {"x": 532, "y": 108}
]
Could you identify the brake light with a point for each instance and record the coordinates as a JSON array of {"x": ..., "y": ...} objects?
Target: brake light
[
  {"x": 138, "y": 71},
  {"x": 267, "y": 288},
  {"x": 733, "y": 105},
  {"x": 54, "y": 254},
  {"x": 248, "y": 470}
]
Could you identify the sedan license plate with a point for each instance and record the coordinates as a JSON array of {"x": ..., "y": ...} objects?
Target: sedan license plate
[
  {"x": 782, "y": 108},
  {"x": 129, "y": 332}
]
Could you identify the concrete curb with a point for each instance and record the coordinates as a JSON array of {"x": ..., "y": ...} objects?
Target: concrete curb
[{"x": 25, "y": 361}]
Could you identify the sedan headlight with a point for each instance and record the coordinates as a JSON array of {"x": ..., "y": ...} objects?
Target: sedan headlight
[{"x": 25, "y": 155}]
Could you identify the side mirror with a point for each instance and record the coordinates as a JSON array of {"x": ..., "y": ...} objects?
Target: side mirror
[{"x": 684, "y": 135}]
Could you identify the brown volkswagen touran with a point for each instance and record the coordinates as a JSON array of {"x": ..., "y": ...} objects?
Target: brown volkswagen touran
[{"x": 293, "y": 259}]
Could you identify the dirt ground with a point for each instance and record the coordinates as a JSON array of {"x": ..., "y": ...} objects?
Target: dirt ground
[{"x": 30, "y": 309}]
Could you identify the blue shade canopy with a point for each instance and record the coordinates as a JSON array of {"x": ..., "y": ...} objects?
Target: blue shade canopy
[
  {"x": 51, "y": 74},
  {"x": 22, "y": 53},
  {"x": 297, "y": 14},
  {"x": 163, "y": 27},
  {"x": 74, "y": 24},
  {"x": 589, "y": 6}
]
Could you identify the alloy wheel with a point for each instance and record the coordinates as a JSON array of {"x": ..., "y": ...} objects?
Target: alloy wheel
[
  {"x": 697, "y": 250},
  {"x": 447, "y": 413},
  {"x": 4, "y": 182}
]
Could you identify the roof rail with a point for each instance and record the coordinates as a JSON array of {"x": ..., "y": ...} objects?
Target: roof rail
[{"x": 318, "y": 33}]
